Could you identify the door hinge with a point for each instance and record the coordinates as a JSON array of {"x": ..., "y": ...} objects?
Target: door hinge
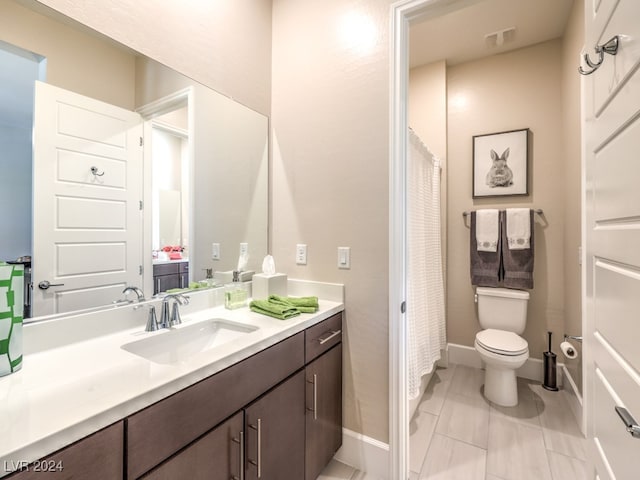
[
  {"x": 403, "y": 307},
  {"x": 140, "y": 269},
  {"x": 141, "y": 205},
  {"x": 141, "y": 141}
]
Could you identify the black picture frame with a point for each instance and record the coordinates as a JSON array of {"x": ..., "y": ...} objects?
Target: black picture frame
[{"x": 501, "y": 164}]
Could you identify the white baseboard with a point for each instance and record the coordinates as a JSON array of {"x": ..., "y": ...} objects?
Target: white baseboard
[
  {"x": 574, "y": 397},
  {"x": 364, "y": 453},
  {"x": 532, "y": 369}
]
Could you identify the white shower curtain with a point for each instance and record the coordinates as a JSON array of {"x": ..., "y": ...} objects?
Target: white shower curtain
[{"x": 425, "y": 286}]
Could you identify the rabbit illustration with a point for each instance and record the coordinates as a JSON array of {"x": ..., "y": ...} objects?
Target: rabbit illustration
[{"x": 500, "y": 175}]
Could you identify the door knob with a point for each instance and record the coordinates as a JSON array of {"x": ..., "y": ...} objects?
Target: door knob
[{"x": 45, "y": 284}]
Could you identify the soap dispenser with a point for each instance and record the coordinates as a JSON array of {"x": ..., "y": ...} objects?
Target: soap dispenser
[{"x": 235, "y": 293}]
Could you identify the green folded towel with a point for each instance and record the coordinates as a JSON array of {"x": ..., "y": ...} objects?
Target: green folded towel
[
  {"x": 304, "y": 304},
  {"x": 265, "y": 307}
]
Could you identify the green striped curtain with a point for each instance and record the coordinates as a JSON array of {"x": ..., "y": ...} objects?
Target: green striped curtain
[{"x": 11, "y": 308}]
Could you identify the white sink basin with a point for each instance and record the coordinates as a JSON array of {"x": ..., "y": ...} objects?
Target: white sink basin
[{"x": 178, "y": 344}]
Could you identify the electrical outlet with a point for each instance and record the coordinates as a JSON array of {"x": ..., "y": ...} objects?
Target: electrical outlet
[
  {"x": 344, "y": 257},
  {"x": 244, "y": 249},
  {"x": 301, "y": 254},
  {"x": 215, "y": 251}
]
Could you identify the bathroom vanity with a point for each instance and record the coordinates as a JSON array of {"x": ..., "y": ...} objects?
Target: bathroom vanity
[{"x": 267, "y": 404}]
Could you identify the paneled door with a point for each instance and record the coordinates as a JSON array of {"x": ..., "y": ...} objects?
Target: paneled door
[
  {"x": 612, "y": 231},
  {"x": 87, "y": 232}
]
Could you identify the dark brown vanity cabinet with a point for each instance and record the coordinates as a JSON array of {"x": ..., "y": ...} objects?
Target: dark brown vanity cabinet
[
  {"x": 170, "y": 275},
  {"x": 323, "y": 375},
  {"x": 276, "y": 415},
  {"x": 99, "y": 456}
]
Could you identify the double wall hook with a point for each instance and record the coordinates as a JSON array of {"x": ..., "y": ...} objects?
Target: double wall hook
[
  {"x": 94, "y": 171},
  {"x": 611, "y": 47}
]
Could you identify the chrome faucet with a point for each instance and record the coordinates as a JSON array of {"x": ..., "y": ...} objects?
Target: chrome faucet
[
  {"x": 139, "y": 293},
  {"x": 167, "y": 321}
]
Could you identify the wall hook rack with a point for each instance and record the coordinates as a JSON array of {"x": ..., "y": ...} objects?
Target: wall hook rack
[
  {"x": 94, "y": 171},
  {"x": 611, "y": 47}
]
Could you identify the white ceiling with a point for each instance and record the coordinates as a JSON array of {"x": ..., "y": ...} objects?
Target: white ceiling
[{"x": 459, "y": 36}]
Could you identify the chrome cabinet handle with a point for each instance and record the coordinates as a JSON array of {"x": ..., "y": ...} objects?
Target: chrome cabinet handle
[
  {"x": 240, "y": 442},
  {"x": 632, "y": 426},
  {"x": 315, "y": 397},
  {"x": 258, "y": 463},
  {"x": 45, "y": 284},
  {"x": 333, "y": 334}
]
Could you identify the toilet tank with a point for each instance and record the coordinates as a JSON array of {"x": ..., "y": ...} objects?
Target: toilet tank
[{"x": 502, "y": 308}]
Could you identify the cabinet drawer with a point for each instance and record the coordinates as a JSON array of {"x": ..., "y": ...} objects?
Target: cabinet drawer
[
  {"x": 321, "y": 337},
  {"x": 98, "y": 456},
  {"x": 162, "y": 429},
  {"x": 166, "y": 269}
]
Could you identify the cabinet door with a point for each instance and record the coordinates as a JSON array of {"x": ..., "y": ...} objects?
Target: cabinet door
[
  {"x": 216, "y": 456},
  {"x": 324, "y": 411},
  {"x": 98, "y": 456},
  {"x": 274, "y": 427},
  {"x": 162, "y": 283}
]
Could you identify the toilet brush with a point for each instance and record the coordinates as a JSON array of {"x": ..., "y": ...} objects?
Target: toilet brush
[{"x": 550, "y": 369}]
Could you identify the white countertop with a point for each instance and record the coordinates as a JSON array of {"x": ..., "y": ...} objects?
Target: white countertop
[{"x": 64, "y": 394}]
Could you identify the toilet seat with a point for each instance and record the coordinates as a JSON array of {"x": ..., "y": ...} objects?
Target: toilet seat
[{"x": 502, "y": 342}]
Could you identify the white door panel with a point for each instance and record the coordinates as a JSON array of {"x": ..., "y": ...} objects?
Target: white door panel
[
  {"x": 87, "y": 227},
  {"x": 612, "y": 238},
  {"x": 615, "y": 70}
]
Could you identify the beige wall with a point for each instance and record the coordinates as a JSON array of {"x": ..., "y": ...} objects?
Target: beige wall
[
  {"x": 572, "y": 45},
  {"x": 330, "y": 177},
  {"x": 75, "y": 60},
  {"x": 515, "y": 90},
  {"x": 225, "y": 45}
]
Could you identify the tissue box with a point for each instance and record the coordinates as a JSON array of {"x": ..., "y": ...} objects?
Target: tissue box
[{"x": 265, "y": 285}]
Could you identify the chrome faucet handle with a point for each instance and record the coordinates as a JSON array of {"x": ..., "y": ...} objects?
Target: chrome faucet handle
[{"x": 152, "y": 321}]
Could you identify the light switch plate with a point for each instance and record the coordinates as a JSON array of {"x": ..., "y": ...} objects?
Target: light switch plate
[
  {"x": 215, "y": 251},
  {"x": 344, "y": 257},
  {"x": 301, "y": 254},
  {"x": 244, "y": 248}
]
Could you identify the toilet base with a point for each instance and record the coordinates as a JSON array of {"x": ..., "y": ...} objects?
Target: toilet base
[{"x": 500, "y": 386}]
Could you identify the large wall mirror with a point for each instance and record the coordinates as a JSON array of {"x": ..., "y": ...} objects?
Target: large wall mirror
[{"x": 115, "y": 166}]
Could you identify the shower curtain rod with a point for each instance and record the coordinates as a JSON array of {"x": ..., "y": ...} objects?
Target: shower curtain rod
[{"x": 538, "y": 211}]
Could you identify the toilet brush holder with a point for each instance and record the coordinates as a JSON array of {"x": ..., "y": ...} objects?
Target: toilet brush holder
[{"x": 550, "y": 369}]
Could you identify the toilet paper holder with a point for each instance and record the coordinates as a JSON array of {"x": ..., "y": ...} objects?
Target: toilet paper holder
[{"x": 572, "y": 337}]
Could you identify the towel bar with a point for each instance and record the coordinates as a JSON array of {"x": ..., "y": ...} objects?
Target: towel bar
[{"x": 539, "y": 211}]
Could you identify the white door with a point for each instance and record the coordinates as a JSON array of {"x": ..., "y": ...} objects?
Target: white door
[
  {"x": 87, "y": 232},
  {"x": 612, "y": 235}
]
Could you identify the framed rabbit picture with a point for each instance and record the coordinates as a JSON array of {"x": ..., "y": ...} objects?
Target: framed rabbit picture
[{"x": 500, "y": 164}]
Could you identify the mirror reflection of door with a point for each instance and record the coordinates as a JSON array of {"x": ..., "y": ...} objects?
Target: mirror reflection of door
[
  {"x": 170, "y": 200},
  {"x": 87, "y": 188}
]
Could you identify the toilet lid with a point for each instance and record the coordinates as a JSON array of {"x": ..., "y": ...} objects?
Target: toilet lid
[{"x": 502, "y": 342}]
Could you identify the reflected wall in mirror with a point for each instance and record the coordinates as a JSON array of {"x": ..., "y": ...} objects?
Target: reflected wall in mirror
[{"x": 223, "y": 170}]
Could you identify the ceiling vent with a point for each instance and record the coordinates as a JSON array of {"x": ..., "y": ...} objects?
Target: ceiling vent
[{"x": 499, "y": 38}]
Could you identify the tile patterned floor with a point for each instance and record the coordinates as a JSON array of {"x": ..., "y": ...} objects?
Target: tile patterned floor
[{"x": 457, "y": 434}]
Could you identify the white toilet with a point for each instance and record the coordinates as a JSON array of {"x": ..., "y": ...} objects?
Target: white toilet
[{"x": 503, "y": 315}]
